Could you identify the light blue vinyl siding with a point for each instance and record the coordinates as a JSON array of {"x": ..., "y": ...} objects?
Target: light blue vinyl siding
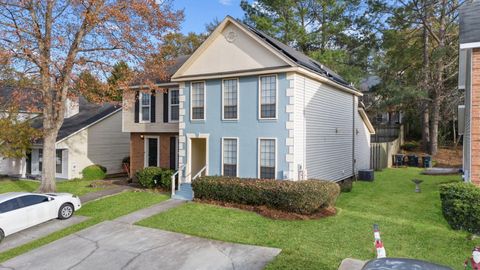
[{"x": 248, "y": 128}]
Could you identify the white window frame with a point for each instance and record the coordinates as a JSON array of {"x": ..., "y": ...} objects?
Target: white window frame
[
  {"x": 260, "y": 97},
  {"x": 204, "y": 101},
  {"x": 140, "y": 111},
  {"x": 170, "y": 105},
  {"x": 145, "y": 150},
  {"x": 238, "y": 153},
  {"x": 259, "y": 153},
  {"x": 238, "y": 100}
]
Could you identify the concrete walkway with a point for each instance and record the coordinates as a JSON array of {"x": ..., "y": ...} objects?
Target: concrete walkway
[
  {"x": 120, "y": 245},
  {"x": 103, "y": 193},
  {"x": 37, "y": 232}
]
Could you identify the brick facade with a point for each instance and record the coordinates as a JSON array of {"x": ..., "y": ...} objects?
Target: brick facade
[
  {"x": 475, "y": 124},
  {"x": 137, "y": 150}
]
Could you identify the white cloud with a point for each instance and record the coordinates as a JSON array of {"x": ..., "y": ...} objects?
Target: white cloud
[{"x": 225, "y": 2}]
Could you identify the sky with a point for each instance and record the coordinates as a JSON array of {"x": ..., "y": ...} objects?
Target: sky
[{"x": 200, "y": 12}]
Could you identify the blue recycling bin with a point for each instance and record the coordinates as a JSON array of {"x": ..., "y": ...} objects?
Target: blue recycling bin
[
  {"x": 412, "y": 160},
  {"x": 427, "y": 161},
  {"x": 398, "y": 159}
]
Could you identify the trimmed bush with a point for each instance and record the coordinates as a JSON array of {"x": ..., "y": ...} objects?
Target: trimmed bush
[
  {"x": 302, "y": 197},
  {"x": 94, "y": 172},
  {"x": 346, "y": 185},
  {"x": 151, "y": 177},
  {"x": 410, "y": 146},
  {"x": 461, "y": 206}
]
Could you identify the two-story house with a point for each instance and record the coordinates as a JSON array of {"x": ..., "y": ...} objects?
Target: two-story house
[{"x": 250, "y": 106}]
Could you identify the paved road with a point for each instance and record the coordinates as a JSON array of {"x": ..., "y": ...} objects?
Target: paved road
[{"x": 118, "y": 245}]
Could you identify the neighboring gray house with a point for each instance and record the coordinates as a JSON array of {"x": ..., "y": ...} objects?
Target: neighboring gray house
[
  {"x": 90, "y": 134},
  {"x": 469, "y": 81}
]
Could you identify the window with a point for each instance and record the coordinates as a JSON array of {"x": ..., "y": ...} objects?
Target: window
[
  {"x": 230, "y": 154},
  {"x": 30, "y": 200},
  {"x": 267, "y": 158},
  {"x": 268, "y": 97},
  {"x": 9, "y": 205},
  {"x": 198, "y": 101},
  {"x": 230, "y": 99},
  {"x": 145, "y": 100},
  {"x": 58, "y": 161},
  {"x": 173, "y": 103}
]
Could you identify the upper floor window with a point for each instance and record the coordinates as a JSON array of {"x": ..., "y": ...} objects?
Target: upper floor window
[
  {"x": 268, "y": 97},
  {"x": 173, "y": 104},
  {"x": 230, "y": 154},
  {"x": 267, "y": 158},
  {"x": 145, "y": 107},
  {"x": 198, "y": 101},
  {"x": 230, "y": 99}
]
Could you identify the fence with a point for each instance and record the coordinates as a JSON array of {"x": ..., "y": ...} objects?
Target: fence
[{"x": 385, "y": 145}]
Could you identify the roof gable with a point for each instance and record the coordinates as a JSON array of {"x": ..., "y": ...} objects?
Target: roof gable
[{"x": 231, "y": 48}]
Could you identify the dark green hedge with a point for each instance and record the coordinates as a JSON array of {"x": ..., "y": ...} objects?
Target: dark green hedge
[
  {"x": 302, "y": 197},
  {"x": 461, "y": 206},
  {"x": 94, "y": 172},
  {"x": 155, "y": 177}
]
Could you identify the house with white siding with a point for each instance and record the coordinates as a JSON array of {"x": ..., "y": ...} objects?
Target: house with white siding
[
  {"x": 91, "y": 134},
  {"x": 250, "y": 106}
]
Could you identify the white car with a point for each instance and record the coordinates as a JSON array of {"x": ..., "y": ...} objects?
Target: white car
[{"x": 22, "y": 210}]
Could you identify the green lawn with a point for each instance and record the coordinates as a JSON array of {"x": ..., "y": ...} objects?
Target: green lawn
[
  {"x": 104, "y": 209},
  {"x": 77, "y": 187},
  {"x": 411, "y": 224}
]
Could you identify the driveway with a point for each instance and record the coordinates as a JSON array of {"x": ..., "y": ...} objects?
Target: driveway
[{"x": 119, "y": 245}]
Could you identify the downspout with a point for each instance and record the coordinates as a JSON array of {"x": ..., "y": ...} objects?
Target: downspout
[{"x": 354, "y": 161}]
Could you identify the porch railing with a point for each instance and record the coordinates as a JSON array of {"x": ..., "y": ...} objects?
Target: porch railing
[
  {"x": 173, "y": 179},
  {"x": 199, "y": 173}
]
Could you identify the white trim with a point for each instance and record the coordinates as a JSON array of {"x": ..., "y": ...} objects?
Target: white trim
[
  {"x": 170, "y": 105},
  {"x": 191, "y": 136},
  {"x": 87, "y": 126},
  {"x": 146, "y": 152},
  {"x": 260, "y": 97},
  {"x": 204, "y": 101},
  {"x": 240, "y": 73},
  {"x": 470, "y": 45},
  {"x": 319, "y": 78},
  {"x": 238, "y": 154},
  {"x": 258, "y": 154},
  {"x": 367, "y": 122},
  {"x": 140, "y": 106},
  {"x": 238, "y": 100}
]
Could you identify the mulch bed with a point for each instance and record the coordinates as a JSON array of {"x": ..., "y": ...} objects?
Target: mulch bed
[{"x": 272, "y": 213}]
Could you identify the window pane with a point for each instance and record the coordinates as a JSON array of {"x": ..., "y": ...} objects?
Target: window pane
[
  {"x": 9, "y": 205},
  {"x": 267, "y": 158},
  {"x": 32, "y": 200},
  {"x": 145, "y": 99},
  {"x": 145, "y": 113},
  {"x": 268, "y": 96},
  {"x": 230, "y": 99},
  {"x": 174, "y": 100},
  {"x": 174, "y": 113},
  {"x": 230, "y": 157},
  {"x": 198, "y": 101},
  {"x": 58, "y": 161}
]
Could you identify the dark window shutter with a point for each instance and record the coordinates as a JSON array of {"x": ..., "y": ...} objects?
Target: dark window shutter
[
  {"x": 165, "y": 107},
  {"x": 152, "y": 107},
  {"x": 137, "y": 107},
  {"x": 173, "y": 146}
]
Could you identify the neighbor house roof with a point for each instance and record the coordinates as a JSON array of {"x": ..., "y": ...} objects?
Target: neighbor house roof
[
  {"x": 28, "y": 99},
  {"x": 297, "y": 57},
  {"x": 88, "y": 115},
  {"x": 470, "y": 25}
]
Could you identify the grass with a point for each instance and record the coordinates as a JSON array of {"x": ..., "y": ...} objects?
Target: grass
[
  {"x": 411, "y": 224},
  {"x": 77, "y": 187},
  {"x": 101, "y": 210}
]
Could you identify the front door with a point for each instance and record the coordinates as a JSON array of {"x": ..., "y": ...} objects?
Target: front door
[
  {"x": 152, "y": 152},
  {"x": 29, "y": 163},
  {"x": 198, "y": 156}
]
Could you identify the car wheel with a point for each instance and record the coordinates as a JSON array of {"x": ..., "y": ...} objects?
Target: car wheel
[
  {"x": 65, "y": 211},
  {"x": 2, "y": 235}
]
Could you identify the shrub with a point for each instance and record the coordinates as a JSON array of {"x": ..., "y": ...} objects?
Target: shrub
[
  {"x": 126, "y": 160},
  {"x": 303, "y": 197},
  {"x": 410, "y": 146},
  {"x": 461, "y": 206},
  {"x": 155, "y": 177},
  {"x": 346, "y": 185},
  {"x": 94, "y": 172}
]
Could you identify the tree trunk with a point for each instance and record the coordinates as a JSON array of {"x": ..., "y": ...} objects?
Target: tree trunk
[
  {"x": 434, "y": 125},
  {"x": 426, "y": 129},
  {"x": 48, "y": 162}
]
